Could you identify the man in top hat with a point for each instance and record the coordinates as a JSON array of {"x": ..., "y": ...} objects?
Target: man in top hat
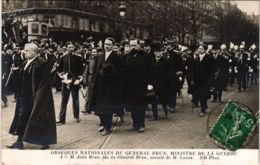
[
  {"x": 202, "y": 78},
  {"x": 161, "y": 83},
  {"x": 176, "y": 71},
  {"x": 219, "y": 71}
]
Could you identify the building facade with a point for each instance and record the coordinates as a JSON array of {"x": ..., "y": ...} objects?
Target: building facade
[{"x": 76, "y": 20}]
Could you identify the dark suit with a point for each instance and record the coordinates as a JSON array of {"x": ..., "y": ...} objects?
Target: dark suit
[
  {"x": 161, "y": 83},
  {"x": 219, "y": 81},
  {"x": 202, "y": 77},
  {"x": 225, "y": 69},
  {"x": 242, "y": 70},
  {"x": 107, "y": 92},
  {"x": 176, "y": 65},
  {"x": 88, "y": 81},
  {"x": 231, "y": 64},
  {"x": 137, "y": 77}
]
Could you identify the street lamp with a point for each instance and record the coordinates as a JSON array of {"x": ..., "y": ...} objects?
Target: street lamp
[
  {"x": 122, "y": 13},
  {"x": 122, "y": 10}
]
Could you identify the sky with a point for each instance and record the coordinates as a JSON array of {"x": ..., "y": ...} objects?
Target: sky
[{"x": 249, "y": 7}]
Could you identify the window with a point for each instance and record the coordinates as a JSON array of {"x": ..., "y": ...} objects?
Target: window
[
  {"x": 101, "y": 27},
  {"x": 50, "y": 2},
  {"x": 75, "y": 23},
  {"x": 35, "y": 28},
  {"x": 91, "y": 26},
  {"x": 44, "y": 30}
]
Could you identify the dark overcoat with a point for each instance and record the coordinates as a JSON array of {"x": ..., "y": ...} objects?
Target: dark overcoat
[
  {"x": 107, "y": 89},
  {"x": 176, "y": 65},
  {"x": 242, "y": 64},
  {"x": 203, "y": 76},
  {"x": 137, "y": 76},
  {"x": 220, "y": 65},
  {"x": 161, "y": 80},
  {"x": 35, "y": 115}
]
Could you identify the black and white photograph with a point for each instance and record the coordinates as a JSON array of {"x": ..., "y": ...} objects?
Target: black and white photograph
[{"x": 129, "y": 82}]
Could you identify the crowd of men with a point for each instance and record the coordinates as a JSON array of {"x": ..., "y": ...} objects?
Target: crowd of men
[{"x": 119, "y": 78}]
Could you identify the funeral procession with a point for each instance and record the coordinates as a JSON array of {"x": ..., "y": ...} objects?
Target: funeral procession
[{"x": 84, "y": 74}]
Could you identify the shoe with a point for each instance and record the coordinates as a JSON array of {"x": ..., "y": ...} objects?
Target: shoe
[
  {"x": 101, "y": 129},
  {"x": 60, "y": 122},
  {"x": 122, "y": 119},
  {"x": 195, "y": 106},
  {"x": 202, "y": 114},
  {"x": 141, "y": 130},
  {"x": 172, "y": 110},
  {"x": 86, "y": 112},
  {"x": 105, "y": 132},
  {"x": 16, "y": 145},
  {"x": 77, "y": 120},
  {"x": 44, "y": 147},
  {"x": 153, "y": 119},
  {"x": 5, "y": 104}
]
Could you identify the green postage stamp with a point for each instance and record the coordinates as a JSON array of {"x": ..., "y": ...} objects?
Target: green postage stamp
[{"x": 233, "y": 127}]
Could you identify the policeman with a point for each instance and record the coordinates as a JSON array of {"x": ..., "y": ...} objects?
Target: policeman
[
  {"x": 254, "y": 63},
  {"x": 231, "y": 64}
]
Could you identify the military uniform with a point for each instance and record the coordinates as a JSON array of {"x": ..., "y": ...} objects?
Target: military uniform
[{"x": 72, "y": 65}]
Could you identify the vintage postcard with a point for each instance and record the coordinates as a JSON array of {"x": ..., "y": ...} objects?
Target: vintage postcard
[{"x": 129, "y": 82}]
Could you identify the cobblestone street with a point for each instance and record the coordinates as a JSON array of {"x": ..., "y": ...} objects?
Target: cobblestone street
[{"x": 183, "y": 129}]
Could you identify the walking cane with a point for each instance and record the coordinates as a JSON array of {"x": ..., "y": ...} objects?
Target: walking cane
[
  {"x": 82, "y": 92},
  {"x": 9, "y": 76}
]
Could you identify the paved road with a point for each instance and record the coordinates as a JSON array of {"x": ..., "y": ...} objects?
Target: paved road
[{"x": 183, "y": 129}]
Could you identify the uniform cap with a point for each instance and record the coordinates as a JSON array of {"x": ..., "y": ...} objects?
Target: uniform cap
[
  {"x": 231, "y": 46},
  {"x": 223, "y": 46},
  {"x": 241, "y": 46},
  {"x": 183, "y": 48},
  {"x": 253, "y": 46}
]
